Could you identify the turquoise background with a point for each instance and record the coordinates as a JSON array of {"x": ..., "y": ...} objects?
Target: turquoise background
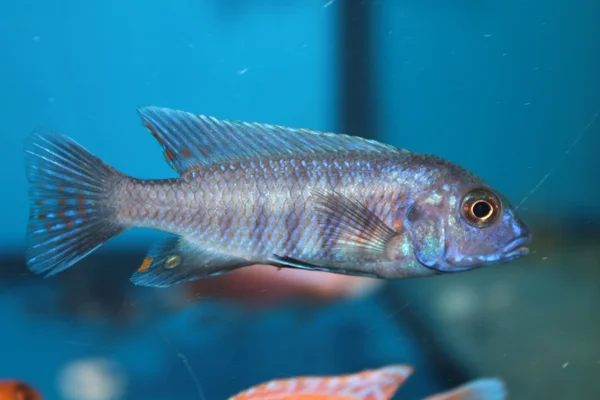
[
  {"x": 502, "y": 88},
  {"x": 82, "y": 68}
]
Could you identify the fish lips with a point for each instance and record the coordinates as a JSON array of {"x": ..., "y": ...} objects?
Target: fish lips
[
  {"x": 514, "y": 250},
  {"x": 517, "y": 248}
]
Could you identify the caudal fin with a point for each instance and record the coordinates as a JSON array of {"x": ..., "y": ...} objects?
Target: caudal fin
[{"x": 70, "y": 210}]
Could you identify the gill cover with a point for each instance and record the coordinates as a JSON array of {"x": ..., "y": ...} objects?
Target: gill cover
[{"x": 427, "y": 232}]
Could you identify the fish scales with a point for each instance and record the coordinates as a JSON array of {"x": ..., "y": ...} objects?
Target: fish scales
[
  {"x": 251, "y": 193},
  {"x": 260, "y": 207}
]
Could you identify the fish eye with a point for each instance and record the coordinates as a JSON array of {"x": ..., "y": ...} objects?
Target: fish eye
[{"x": 480, "y": 208}]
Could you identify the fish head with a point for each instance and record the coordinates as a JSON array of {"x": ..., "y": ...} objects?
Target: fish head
[{"x": 463, "y": 223}]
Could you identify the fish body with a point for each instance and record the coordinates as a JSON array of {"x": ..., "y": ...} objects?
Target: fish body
[
  {"x": 17, "y": 390},
  {"x": 250, "y": 193},
  {"x": 376, "y": 384}
]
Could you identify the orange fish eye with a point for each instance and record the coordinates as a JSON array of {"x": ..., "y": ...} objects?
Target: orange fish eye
[{"x": 480, "y": 208}]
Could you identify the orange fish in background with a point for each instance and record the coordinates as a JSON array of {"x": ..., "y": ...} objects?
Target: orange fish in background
[
  {"x": 17, "y": 390},
  {"x": 266, "y": 284},
  {"x": 376, "y": 384}
]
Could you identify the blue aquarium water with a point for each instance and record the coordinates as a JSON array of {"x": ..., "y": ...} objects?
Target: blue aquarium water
[{"x": 509, "y": 90}]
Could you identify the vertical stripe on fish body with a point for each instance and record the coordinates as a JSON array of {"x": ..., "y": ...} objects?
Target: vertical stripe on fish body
[
  {"x": 263, "y": 207},
  {"x": 257, "y": 193}
]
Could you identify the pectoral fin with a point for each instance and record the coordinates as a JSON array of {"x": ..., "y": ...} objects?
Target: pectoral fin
[{"x": 349, "y": 226}]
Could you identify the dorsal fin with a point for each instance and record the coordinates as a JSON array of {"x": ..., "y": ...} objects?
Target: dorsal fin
[{"x": 189, "y": 139}]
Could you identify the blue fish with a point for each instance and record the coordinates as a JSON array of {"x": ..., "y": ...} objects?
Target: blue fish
[{"x": 253, "y": 193}]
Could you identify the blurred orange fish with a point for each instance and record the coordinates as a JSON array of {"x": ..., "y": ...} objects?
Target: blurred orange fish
[
  {"x": 17, "y": 390},
  {"x": 264, "y": 284},
  {"x": 377, "y": 384}
]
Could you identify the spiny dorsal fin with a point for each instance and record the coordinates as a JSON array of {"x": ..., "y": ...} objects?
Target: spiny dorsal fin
[{"x": 189, "y": 139}]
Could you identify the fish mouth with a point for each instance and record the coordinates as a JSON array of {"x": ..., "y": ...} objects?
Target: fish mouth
[{"x": 517, "y": 248}]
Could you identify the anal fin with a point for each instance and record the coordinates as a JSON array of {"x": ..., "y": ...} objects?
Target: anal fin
[{"x": 175, "y": 260}]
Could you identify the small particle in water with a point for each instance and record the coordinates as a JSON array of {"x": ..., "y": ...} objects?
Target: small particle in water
[
  {"x": 191, "y": 45},
  {"x": 544, "y": 258},
  {"x": 500, "y": 296},
  {"x": 51, "y": 100},
  {"x": 35, "y": 38},
  {"x": 565, "y": 364},
  {"x": 242, "y": 71},
  {"x": 487, "y": 35},
  {"x": 504, "y": 54},
  {"x": 527, "y": 103},
  {"x": 330, "y": 2}
]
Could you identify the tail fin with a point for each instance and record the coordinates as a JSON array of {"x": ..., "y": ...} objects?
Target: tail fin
[
  {"x": 69, "y": 193},
  {"x": 479, "y": 389}
]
